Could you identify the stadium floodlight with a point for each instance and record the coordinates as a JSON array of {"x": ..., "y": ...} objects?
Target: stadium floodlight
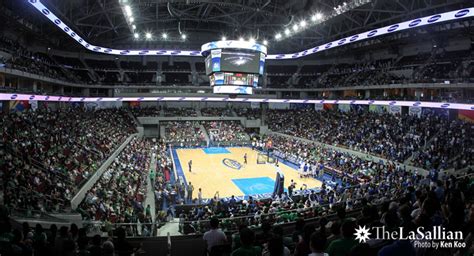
[
  {"x": 131, "y": 19},
  {"x": 295, "y": 27},
  {"x": 278, "y": 36},
  {"x": 316, "y": 17},
  {"x": 164, "y": 35},
  {"x": 287, "y": 31},
  {"x": 183, "y": 36},
  {"x": 241, "y": 39},
  {"x": 136, "y": 35},
  {"x": 303, "y": 23},
  {"x": 148, "y": 35},
  {"x": 128, "y": 10},
  {"x": 224, "y": 38},
  {"x": 134, "y": 27},
  {"x": 252, "y": 40},
  {"x": 265, "y": 42}
]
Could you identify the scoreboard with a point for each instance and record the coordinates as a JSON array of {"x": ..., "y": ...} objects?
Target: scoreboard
[
  {"x": 234, "y": 67},
  {"x": 233, "y": 83}
]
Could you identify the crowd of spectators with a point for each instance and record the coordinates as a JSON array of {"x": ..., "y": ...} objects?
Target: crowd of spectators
[
  {"x": 184, "y": 133},
  {"x": 185, "y": 112},
  {"x": 249, "y": 113},
  {"x": 316, "y": 160},
  {"x": 165, "y": 191},
  {"x": 119, "y": 194},
  {"x": 391, "y": 136},
  {"x": 410, "y": 202},
  {"x": 225, "y": 131},
  {"x": 50, "y": 153},
  {"x": 222, "y": 112},
  {"x": 391, "y": 197},
  {"x": 26, "y": 241},
  {"x": 145, "y": 111},
  {"x": 451, "y": 146},
  {"x": 36, "y": 63}
]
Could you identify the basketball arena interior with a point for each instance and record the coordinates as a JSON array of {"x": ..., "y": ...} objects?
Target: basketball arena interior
[{"x": 237, "y": 127}]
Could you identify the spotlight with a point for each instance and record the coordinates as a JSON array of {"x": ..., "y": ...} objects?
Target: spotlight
[
  {"x": 131, "y": 19},
  {"x": 128, "y": 10},
  {"x": 148, "y": 35},
  {"x": 265, "y": 42},
  {"x": 287, "y": 31},
  {"x": 278, "y": 36},
  {"x": 241, "y": 39},
  {"x": 164, "y": 35},
  {"x": 295, "y": 27},
  {"x": 183, "y": 36},
  {"x": 134, "y": 27},
  {"x": 303, "y": 23},
  {"x": 252, "y": 40},
  {"x": 136, "y": 35},
  {"x": 223, "y": 38},
  {"x": 317, "y": 16}
]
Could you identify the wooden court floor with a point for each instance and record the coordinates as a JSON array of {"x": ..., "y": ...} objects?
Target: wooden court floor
[{"x": 211, "y": 174}]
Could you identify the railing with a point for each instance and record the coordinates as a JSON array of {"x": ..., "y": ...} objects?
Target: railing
[
  {"x": 187, "y": 144},
  {"x": 34, "y": 214},
  {"x": 235, "y": 143},
  {"x": 79, "y": 196},
  {"x": 231, "y": 224},
  {"x": 131, "y": 229}
]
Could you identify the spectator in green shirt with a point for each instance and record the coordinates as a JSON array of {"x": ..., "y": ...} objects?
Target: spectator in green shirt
[
  {"x": 152, "y": 177},
  {"x": 342, "y": 246},
  {"x": 247, "y": 238}
]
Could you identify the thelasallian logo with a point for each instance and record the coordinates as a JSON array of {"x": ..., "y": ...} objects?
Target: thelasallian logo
[{"x": 437, "y": 237}]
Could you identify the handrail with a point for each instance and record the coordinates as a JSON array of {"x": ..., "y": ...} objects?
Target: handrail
[
  {"x": 79, "y": 196},
  {"x": 33, "y": 214},
  {"x": 282, "y": 212}
]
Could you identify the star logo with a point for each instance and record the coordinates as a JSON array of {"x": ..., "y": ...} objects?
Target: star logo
[{"x": 362, "y": 234}]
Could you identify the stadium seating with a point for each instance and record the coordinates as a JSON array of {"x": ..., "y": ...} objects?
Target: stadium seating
[
  {"x": 58, "y": 150},
  {"x": 126, "y": 160}
]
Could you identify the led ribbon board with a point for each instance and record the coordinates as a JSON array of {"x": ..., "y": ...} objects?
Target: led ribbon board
[
  {"x": 427, "y": 20},
  {"x": 424, "y": 104},
  {"x": 232, "y": 44}
]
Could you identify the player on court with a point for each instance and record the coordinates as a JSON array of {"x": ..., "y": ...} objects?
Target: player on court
[
  {"x": 245, "y": 158},
  {"x": 190, "y": 165}
]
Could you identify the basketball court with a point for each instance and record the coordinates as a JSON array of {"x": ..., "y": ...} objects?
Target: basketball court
[{"x": 223, "y": 169}]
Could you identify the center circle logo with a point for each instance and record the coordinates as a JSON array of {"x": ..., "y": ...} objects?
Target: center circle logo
[{"x": 231, "y": 163}]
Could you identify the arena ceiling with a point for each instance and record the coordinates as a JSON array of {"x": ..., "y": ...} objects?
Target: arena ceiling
[{"x": 109, "y": 23}]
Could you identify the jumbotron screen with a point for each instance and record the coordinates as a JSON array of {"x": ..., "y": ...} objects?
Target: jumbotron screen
[
  {"x": 235, "y": 61},
  {"x": 240, "y": 62}
]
